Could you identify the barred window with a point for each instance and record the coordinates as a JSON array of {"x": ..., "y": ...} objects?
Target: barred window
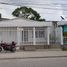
[{"x": 40, "y": 34}]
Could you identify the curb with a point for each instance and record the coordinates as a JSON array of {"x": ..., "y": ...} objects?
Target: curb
[{"x": 31, "y": 57}]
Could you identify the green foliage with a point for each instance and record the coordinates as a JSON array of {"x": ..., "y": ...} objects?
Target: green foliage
[
  {"x": 26, "y": 12},
  {"x": 65, "y": 34},
  {"x": 16, "y": 12},
  {"x": 37, "y": 16},
  {"x": 41, "y": 19},
  {"x": 32, "y": 18},
  {"x": 64, "y": 47}
]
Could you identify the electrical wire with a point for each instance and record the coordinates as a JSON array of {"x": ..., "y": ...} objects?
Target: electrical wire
[{"x": 53, "y": 6}]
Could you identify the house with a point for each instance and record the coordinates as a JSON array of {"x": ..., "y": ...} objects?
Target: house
[
  {"x": 27, "y": 32},
  {"x": 63, "y": 25}
]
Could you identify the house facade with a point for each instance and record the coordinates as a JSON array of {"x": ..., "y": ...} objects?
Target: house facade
[{"x": 27, "y": 32}]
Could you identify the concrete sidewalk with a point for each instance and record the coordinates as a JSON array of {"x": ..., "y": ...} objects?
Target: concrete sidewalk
[{"x": 33, "y": 54}]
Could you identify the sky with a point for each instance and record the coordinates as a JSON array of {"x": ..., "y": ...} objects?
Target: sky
[
  {"x": 51, "y": 10},
  {"x": 6, "y": 11}
]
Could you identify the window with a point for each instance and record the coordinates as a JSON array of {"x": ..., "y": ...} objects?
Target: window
[
  {"x": 39, "y": 34},
  {"x": 25, "y": 36},
  {"x": 36, "y": 34}
]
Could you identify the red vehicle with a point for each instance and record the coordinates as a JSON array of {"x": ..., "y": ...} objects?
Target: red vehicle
[{"x": 8, "y": 47}]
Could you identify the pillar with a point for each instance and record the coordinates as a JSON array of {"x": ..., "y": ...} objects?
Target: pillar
[
  {"x": 34, "y": 39},
  {"x": 18, "y": 36},
  {"x": 61, "y": 34},
  {"x": 48, "y": 35}
]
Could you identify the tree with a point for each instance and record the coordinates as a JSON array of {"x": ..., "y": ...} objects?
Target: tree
[
  {"x": 16, "y": 12},
  {"x": 27, "y": 13}
]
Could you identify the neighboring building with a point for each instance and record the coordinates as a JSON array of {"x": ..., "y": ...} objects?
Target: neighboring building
[
  {"x": 1, "y": 18},
  {"x": 63, "y": 25}
]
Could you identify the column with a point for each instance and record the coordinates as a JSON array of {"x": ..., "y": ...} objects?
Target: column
[
  {"x": 61, "y": 33},
  {"x": 18, "y": 36},
  {"x": 23, "y": 37},
  {"x": 48, "y": 35},
  {"x": 34, "y": 39}
]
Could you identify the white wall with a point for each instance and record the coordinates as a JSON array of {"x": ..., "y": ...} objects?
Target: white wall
[
  {"x": 59, "y": 34},
  {"x": 8, "y": 35}
]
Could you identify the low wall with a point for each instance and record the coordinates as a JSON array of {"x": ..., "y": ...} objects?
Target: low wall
[{"x": 34, "y": 47}]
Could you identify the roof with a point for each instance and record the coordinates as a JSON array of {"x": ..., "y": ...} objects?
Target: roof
[
  {"x": 5, "y": 18},
  {"x": 19, "y": 22},
  {"x": 61, "y": 23}
]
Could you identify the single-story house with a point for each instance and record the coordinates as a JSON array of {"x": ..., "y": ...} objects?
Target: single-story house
[{"x": 25, "y": 32}]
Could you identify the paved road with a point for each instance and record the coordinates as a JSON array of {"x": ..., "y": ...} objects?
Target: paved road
[{"x": 35, "y": 62}]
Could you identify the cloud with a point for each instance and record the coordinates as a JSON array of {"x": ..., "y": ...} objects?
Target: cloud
[
  {"x": 6, "y": 10},
  {"x": 49, "y": 9}
]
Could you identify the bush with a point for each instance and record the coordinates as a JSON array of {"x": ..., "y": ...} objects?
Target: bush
[
  {"x": 64, "y": 47},
  {"x": 65, "y": 34}
]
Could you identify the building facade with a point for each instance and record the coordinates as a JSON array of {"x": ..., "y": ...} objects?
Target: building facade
[
  {"x": 27, "y": 32},
  {"x": 63, "y": 25}
]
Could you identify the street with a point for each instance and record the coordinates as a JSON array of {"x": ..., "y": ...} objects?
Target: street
[{"x": 35, "y": 62}]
